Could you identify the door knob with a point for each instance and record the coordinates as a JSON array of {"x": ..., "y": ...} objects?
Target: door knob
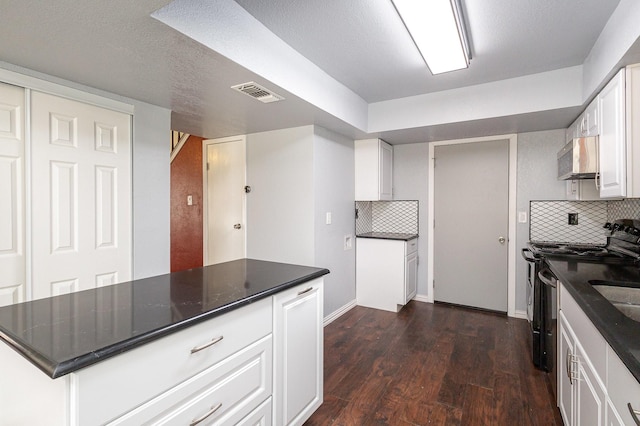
[
  {"x": 501, "y": 240},
  {"x": 237, "y": 226}
]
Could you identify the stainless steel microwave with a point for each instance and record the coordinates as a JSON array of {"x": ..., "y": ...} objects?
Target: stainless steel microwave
[{"x": 579, "y": 159}]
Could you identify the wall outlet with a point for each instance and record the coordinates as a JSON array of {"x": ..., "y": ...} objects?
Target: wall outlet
[
  {"x": 328, "y": 218},
  {"x": 573, "y": 219},
  {"x": 348, "y": 242},
  {"x": 522, "y": 217},
  {"x": 189, "y": 200}
]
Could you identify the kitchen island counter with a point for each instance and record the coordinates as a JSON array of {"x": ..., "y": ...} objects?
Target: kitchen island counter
[{"x": 65, "y": 333}]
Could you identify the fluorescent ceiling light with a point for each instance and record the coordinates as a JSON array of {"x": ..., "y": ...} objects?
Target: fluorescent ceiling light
[{"x": 437, "y": 31}]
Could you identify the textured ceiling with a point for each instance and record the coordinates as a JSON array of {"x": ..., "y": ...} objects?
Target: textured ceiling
[
  {"x": 363, "y": 43},
  {"x": 117, "y": 47}
]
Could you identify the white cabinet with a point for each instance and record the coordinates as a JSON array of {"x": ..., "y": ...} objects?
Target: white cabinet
[
  {"x": 594, "y": 385},
  {"x": 373, "y": 170},
  {"x": 582, "y": 190},
  {"x": 612, "y": 140},
  {"x": 259, "y": 364},
  {"x": 581, "y": 394},
  {"x": 632, "y": 117},
  {"x": 623, "y": 390},
  {"x": 298, "y": 346},
  {"x": 386, "y": 272}
]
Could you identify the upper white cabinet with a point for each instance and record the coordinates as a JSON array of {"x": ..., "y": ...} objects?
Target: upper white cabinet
[
  {"x": 373, "y": 170},
  {"x": 612, "y": 140}
]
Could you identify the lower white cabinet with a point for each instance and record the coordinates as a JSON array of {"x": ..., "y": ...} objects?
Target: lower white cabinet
[
  {"x": 386, "y": 272},
  {"x": 594, "y": 386},
  {"x": 298, "y": 353},
  {"x": 261, "y": 364}
]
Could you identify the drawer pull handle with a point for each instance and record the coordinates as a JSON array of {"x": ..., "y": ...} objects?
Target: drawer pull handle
[
  {"x": 569, "y": 373},
  {"x": 306, "y": 290},
  {"x": 206, "y": 345},
  {"x": 634, "y": 414},
  {"x": 215, "y": 408}
]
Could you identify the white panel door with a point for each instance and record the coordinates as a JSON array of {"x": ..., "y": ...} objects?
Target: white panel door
[
  {"x": 471, "y": 209},
  {"x": 225, "y": 177},
  {"x": 612, "y": 142},
  {"x": 81, "y": 195},
  {"x": 12, "y": 259}
]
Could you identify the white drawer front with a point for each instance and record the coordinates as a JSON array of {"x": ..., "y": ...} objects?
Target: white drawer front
[
  {"x": 261, "y": 416},
  {"x": 221, "y": 395},
  {"x": 108, "y": 389}
]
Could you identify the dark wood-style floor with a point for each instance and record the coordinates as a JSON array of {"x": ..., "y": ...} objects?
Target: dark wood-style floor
[{"x": 431, "y": 365}]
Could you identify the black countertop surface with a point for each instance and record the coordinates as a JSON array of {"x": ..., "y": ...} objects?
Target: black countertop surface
[
  {"x": 388, "y": 236},
  {"x": 621, "y": 332},
  {"x": 62, "y": 334}
]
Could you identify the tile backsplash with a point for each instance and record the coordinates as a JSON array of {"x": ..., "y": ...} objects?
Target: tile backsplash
[
  {"x": 549, "y": 219},
  {"x": 387, "y": 216}
]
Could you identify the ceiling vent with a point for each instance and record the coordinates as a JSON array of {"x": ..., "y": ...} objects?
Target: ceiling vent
[{"x": 257, "y": 92}]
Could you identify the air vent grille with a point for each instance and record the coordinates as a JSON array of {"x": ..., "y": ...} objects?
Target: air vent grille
[{"x": 257, "y": 92}]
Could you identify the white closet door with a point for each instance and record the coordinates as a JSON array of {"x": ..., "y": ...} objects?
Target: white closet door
[
  {"x": 81, "y": 195},
  {"x": 12, "y": 259}
]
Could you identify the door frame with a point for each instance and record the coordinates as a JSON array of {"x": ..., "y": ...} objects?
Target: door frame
[
  {"x": 511, "y": 257},
  {"x": 205, "y": 192}
]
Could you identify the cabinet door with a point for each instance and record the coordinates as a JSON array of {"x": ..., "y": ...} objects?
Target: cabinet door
[
  {"x": 410, "y": 277},
  {"x": 612, "y": 416},
  {"x": 565, "y": 371},
  {"x": 386, "y": 171},
  {"x": 298, "y": 357},
  {"x": 612, "y": 140},
  {"x": 592, "y": 125},
  {"x": 589, "y": 393}
]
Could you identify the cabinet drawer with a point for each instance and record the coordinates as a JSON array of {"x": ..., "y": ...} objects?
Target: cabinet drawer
[
  {"x": 261, "y": 416},
  {"x": 622, "y": 387},
  {"x": 223, "y": 394},
  {"x": 134, "y": 377},
  {"x": 412, "y": 246}
]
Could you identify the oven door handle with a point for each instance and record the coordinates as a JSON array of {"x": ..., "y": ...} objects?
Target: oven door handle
[
  {"x": 528, "y": 256},
  {"x": 547, "y": 277}
]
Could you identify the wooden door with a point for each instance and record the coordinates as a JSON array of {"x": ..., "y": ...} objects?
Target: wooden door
[
  {"x": 81, "y": 195},
  {"x": 12, "y": 190}
]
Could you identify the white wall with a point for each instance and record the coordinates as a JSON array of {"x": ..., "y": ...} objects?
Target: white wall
[
  {"x": 280, "y": 206},
  {"x": 411, "y": 182},
  {"x": 537, "y": 171},
  {"x": 151, "y": 187},
  {"x": 335, "y": 192}
]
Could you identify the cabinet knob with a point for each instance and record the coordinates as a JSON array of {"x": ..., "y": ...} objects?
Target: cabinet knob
[{"x": 502, "y": 240}]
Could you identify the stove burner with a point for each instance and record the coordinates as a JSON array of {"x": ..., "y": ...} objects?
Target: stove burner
[{"x": 575, "y": 251}]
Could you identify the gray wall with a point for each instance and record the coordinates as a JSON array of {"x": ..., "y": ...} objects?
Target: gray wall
[
  {"x": 411, "y": 182},
  {"x": 335, "y": 192},
  {"x": 536, "y": 180},
  {"x": 537, "y": 171}
]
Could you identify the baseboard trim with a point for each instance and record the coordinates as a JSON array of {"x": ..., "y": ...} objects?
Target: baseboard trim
[
  {"x": 520, "y": 314},
  {"x": 339, "y": 312},
  {"x": 421, "y": 298}
]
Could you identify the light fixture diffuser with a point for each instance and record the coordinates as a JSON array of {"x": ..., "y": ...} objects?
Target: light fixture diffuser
[{"x": 436, "y": 29}]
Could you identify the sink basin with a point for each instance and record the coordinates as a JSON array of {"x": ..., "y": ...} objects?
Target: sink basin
[{"x": 625, "y": 298}]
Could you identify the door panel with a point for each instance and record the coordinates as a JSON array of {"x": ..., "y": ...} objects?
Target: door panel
[
  {"x": 471, "y": 202},
  {"x": 12, "y": 259},
  {"x": 81, "y": 186},
  {"x": 225, "y": 216}
]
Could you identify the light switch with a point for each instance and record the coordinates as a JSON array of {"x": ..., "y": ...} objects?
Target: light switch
[
  {"x": 348, "y": 242},
  {"x": 189, "y": 200},
  {"x": 328, "y": 218},
  {"x": 522, "y": 217}
]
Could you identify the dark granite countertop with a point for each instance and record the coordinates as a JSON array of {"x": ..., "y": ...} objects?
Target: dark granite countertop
[
  {"x": 65, "y": 333},
  {"x": 621, "y": 332},
  {"x": 388, "y": 236}
]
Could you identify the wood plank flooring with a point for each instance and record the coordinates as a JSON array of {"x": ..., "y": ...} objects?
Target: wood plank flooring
[{"x": 431, "y": 365}]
